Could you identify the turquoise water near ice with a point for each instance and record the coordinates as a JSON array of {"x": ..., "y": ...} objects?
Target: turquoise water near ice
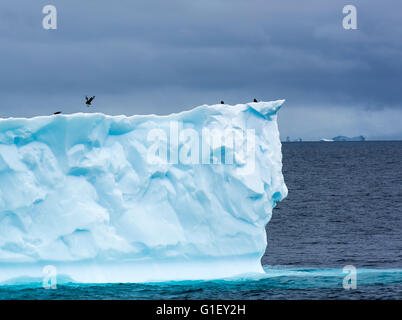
[{"x": 277, "y": 283}]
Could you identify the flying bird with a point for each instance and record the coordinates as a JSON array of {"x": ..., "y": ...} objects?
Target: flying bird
[
  {"x": 89, "y": 100},
  {"x": 57, "y": 112}
]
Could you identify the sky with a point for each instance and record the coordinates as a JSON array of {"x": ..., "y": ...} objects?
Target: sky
[{"x": 159, "y": 56}]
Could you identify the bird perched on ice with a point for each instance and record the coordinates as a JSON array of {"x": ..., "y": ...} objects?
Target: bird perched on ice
[
  {"x": 222, "y": 102},
  {"x": 89, "y": 100},
  {"x": 255, "y": 100}
]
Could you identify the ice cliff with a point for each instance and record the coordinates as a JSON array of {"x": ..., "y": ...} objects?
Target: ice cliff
[{"x": 140, "y": 198}]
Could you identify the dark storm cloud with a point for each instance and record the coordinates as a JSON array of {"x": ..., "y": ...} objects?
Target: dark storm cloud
[{"x": 163, "y": 56}]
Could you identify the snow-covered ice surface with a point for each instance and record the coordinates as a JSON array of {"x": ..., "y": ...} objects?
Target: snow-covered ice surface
[{"x": 141, "y": 198}]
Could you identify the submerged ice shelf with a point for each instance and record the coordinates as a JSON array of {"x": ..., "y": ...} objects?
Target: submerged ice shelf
[{"x": 141, "y": 198}]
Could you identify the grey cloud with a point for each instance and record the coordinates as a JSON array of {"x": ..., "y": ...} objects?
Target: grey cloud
[{"x": 163, "y": 56}]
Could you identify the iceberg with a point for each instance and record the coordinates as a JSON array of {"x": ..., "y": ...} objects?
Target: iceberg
[
  {"x": 139, "y": 198},
  {"x": 343, "y": 138}
]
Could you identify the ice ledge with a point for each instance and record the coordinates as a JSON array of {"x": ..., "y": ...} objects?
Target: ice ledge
[
  {"x": 136, "y": 271},
  {"x": 266, "y": 108}
]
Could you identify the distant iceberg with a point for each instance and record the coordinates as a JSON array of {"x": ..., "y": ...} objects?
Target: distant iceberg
[
  {"x": 142, "y": 198},
  {"x": 295, "y": 140},
  {"x": 343, "y": 138}
]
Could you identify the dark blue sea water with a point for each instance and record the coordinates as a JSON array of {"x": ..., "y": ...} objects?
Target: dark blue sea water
[{"x": 344, "y": 208}]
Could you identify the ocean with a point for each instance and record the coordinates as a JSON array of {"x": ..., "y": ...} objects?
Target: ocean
[{"x": 344, "y": 208}]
